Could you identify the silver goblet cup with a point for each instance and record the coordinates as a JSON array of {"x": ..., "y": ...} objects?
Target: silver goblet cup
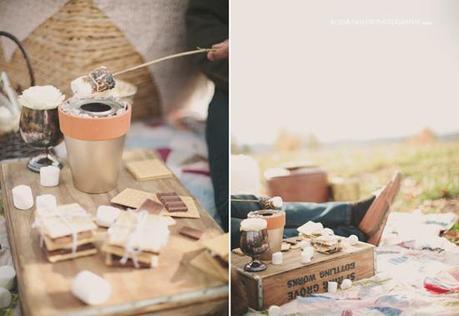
[
  {"x": 254, "y": 244},
  {"x": 40, "y": 129}
]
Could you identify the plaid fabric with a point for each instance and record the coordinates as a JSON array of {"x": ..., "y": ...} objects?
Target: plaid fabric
[{"x": 12, "y": 146}]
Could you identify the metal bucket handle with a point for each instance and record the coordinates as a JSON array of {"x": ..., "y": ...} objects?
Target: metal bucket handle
[{"x": 24, "y": 53}]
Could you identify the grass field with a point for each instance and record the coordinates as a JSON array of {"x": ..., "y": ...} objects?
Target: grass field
[{"x": 431, "y": 171}]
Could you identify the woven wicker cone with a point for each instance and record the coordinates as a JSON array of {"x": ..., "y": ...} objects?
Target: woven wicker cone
[{"x": 72, "y": 42}]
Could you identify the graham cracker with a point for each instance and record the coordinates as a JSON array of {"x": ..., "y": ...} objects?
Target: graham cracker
[
  {"x": 285, "y": 246},
  {"x": 151, "y": 236},
  {"x": 218, "y": 245},
  {"x": 149, "y": 169},
  {"x": 114, "y": 261},
  {"x": 53, "y": 245},
  {"x": 134, "y": 198},
  {"x": 67, "y": 254},
  {"x": 207, "y": 264},
  {"x": 71, "y": 218},
  {"x": 143, "y": 257},
  {"x": 78, "y": 254}
]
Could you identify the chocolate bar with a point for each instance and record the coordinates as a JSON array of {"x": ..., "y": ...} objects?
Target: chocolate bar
[
  {"x": 164, "y": 194},
  {"x": 170, "y": 199},
  {"x": 172, "y": 202},
  {"x": 190, "y": 232},
  {"x": 222, "y": 262},
  {"x": 176, "y": 207},
  {"x": 61, "y": 251},
  {"x": 290, "y": 241},
  {"x": 114, "y": 261},
  {"x": 65, "y": 254}
]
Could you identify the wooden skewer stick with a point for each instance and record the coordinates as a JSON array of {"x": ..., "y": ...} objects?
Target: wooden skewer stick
[
  {"x": 243, "y": 200},
  {"x": 191, "y": 52}
]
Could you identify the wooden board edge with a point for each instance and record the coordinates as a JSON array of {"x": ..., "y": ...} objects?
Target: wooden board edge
[
  {"x": 253, "y": 287},
  {"x": 7, "y": 207},
  {"x": 268, "y": 275},
  {"x": 160, "y": 304}
]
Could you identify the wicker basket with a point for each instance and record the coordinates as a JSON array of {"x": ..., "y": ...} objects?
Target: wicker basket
[{"x": 72, "y": 42}]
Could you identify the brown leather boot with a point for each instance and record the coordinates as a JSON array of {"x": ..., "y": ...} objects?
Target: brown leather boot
[{"x": 375, "y": 219}]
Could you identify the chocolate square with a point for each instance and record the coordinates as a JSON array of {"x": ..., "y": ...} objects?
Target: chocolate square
[
  {"x": 190, "y": 232},
  {"x": 151, "y": 207}
]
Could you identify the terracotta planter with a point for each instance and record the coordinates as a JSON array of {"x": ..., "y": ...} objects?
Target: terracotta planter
[
  {"x": 306, "y": 184},
  {"x": 95, "y": 143}
]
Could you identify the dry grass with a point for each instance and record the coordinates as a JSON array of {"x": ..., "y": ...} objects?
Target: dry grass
[{"x": 431, "y": 171}]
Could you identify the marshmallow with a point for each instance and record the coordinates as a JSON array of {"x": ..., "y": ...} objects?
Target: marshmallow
[
  {"x": 7, "y": 275},
  {"x": 276, "y": 202},
  {"x": 274, "y": 310},
  {"x": 310, "y": 228},
  {"x": 82, "y": 87},
  {"x": 308, "y": 251},
  {"x": 346, "y": 284},
  {"x": 5, "y": 298},
  {"x": 22, "y": 197},
  {"x": 49, "y": 176},
  {"x": 277, "y": 258},
  {"x": 332, "y": 287},
  {"x": 328, "y": 231},
  {"x": 253, "y": 224},
  {"x": 46, "y": 201},
  {"x": 106, "y": 215},
  {"x": 305, "y": 258},
  {"x": 91, "y": 288},
  {"x": 154, "y": 261},
  {"x": 353, "y": 239}
]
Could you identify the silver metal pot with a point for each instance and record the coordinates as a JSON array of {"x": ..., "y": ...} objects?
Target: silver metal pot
[{"x": 95, "y": 140}]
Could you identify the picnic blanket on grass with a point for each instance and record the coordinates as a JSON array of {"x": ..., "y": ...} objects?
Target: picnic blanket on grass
[{"x": 417, "y": 274}]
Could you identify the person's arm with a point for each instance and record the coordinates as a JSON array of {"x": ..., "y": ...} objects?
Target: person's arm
[{"x": 207, "y": 26}]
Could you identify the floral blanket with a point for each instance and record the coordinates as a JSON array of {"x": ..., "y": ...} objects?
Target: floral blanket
[{"x": 417, "y": 274}]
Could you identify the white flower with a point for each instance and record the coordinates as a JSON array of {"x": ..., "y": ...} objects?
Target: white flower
[{"x": 41, "y": 98}]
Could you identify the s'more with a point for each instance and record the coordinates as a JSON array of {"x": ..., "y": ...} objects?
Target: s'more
[{"x": 66, "y": 232}]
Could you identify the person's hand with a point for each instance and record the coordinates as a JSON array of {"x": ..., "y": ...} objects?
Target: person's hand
[{"x": 221, "y": 51}]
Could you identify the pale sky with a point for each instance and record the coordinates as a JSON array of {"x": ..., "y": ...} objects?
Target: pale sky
[{"x": 344, "y": 69}]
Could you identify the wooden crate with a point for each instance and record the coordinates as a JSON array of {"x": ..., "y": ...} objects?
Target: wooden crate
[
  {"x": 174, "y": 287},
  {"x": 280, "y": 284}
]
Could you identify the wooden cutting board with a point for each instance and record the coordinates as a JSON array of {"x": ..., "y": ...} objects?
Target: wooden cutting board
[{"x": 174, "y": 287}]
